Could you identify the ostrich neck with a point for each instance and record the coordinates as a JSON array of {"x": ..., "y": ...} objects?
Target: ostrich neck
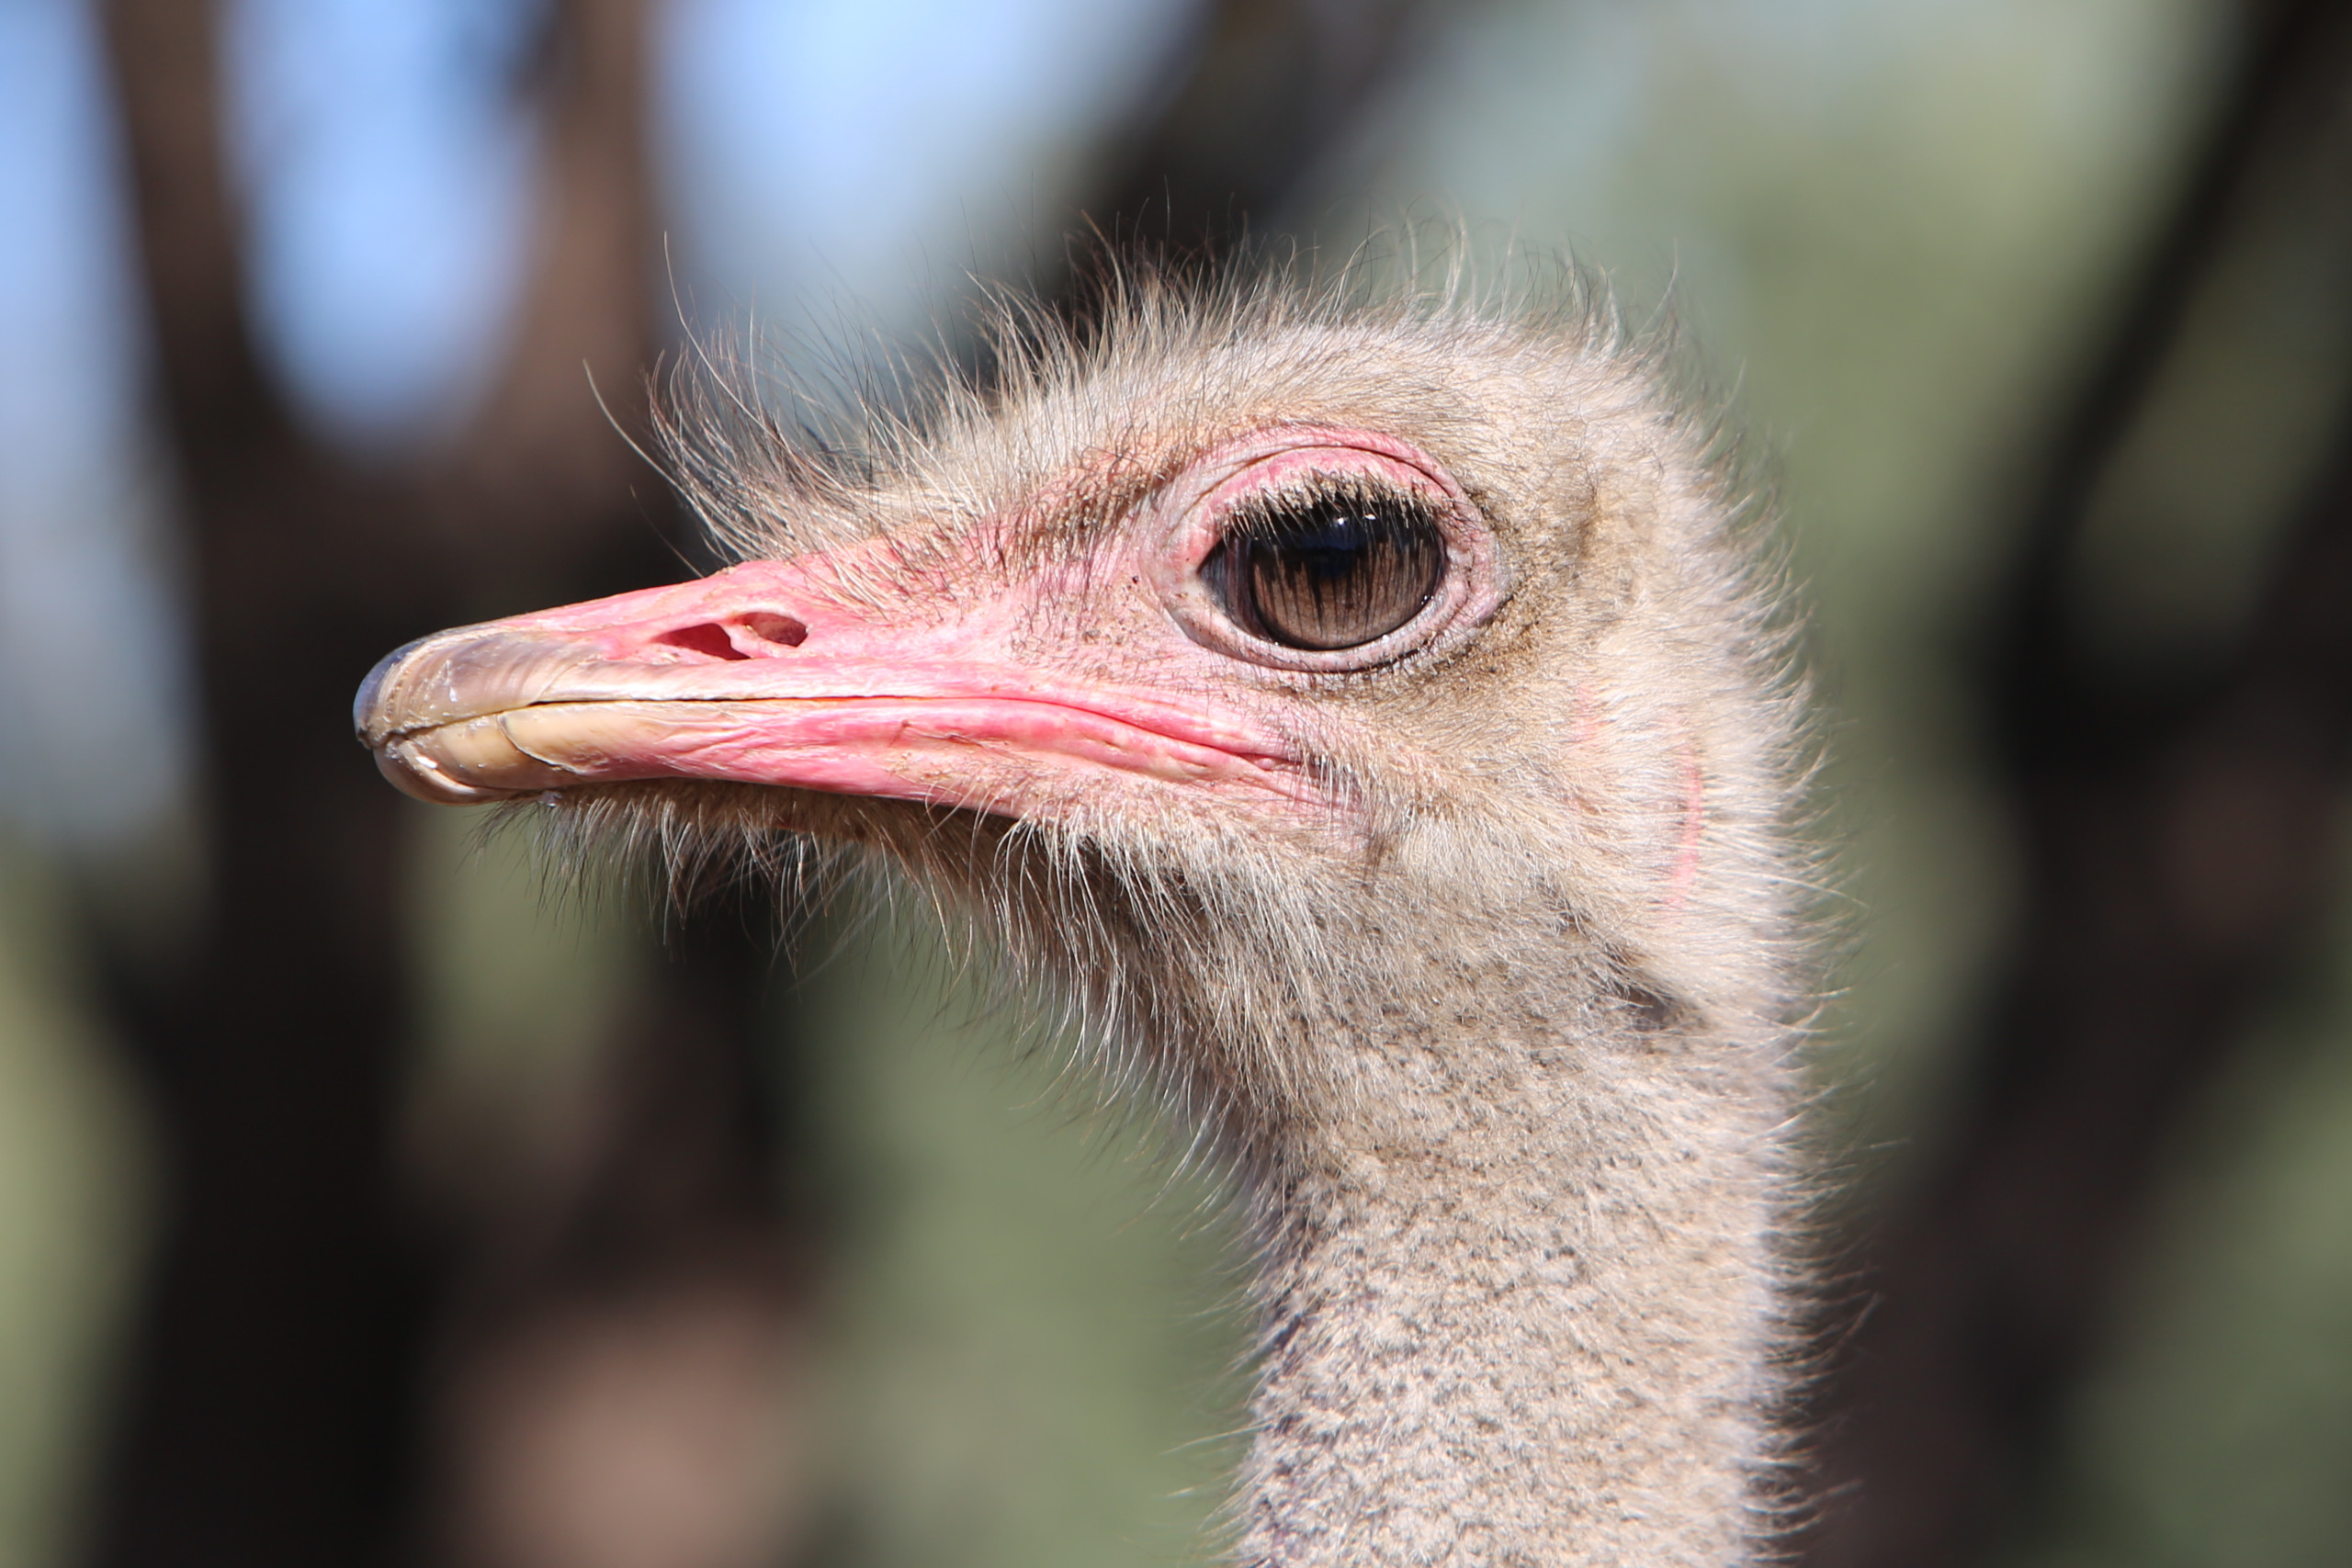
[{"x": 1518, "y": 1308}]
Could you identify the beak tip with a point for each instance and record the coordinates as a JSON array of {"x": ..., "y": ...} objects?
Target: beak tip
[{"x": 363, "y": 705}]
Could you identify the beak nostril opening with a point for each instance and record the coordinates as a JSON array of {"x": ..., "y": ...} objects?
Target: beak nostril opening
[
  {"x": 758, "y": 634},
  {"x": 768, "y": 626},
  {"x": 708, "y": 638}
]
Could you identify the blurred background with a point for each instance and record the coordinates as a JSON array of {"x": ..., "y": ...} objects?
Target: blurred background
[{"x": 367, "y": 1198}]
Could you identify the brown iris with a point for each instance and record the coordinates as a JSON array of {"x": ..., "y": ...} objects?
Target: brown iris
[{"x": 1329, "y": 570}]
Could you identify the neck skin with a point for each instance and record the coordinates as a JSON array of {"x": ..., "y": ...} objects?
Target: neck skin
[{"x": 1519, "y": 1306}]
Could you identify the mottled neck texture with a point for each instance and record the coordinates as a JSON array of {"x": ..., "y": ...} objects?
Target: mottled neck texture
[{"x": 1521, "y": 1311}]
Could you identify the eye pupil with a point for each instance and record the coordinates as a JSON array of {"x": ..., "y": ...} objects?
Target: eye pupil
[{"x": 1329, "y": 571}]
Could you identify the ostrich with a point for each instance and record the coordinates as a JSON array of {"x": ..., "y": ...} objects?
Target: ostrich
[{"x": 1373, "y": 717}]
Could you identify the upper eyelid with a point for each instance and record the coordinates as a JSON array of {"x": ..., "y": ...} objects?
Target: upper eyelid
[
  {"x": 1371, "y": 460},
  {"x": 1343, "y": 488}
]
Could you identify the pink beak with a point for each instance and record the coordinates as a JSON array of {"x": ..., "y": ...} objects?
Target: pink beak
[{"x": 759, "y": 675}]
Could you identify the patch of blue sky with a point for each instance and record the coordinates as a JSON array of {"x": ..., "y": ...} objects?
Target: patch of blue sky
[
  {"x": 93, "y": 675},
  {"x": 385, "y": 164},
  {"x": 837, "y": 166},
  {"x": 68, "y": 313}
]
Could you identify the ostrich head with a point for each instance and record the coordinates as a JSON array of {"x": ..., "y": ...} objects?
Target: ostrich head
[{"x": 1373, "y": 716}]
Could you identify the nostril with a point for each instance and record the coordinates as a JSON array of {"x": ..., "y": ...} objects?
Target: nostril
[
  {"x": 756, "y": 634},
  {"x": 769, "y": 627},
  {"x": 708, "y": 638}
]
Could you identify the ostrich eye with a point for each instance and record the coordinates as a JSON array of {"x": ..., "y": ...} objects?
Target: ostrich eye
[{"x": 1330, "y": 570}]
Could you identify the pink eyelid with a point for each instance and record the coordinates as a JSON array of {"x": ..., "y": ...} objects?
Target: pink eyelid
[
  {"x": 1337, "y": 462},
  {"x": 1198, "y": 506},
  {"x": 1266, "y": 458}
]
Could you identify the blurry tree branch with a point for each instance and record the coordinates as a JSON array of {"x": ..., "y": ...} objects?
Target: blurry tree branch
[
  {"x": 271, "y": 1411},
  {"x": 2285, "y": 87},
  {"x": 2175, "y": 844},
  {"x": 264, "y": 1412}
]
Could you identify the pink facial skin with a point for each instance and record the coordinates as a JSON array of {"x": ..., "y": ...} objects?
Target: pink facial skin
[{"x": 846, "y": 672}]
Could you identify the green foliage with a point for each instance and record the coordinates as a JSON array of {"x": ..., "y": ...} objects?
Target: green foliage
[
  {"x": 1031, "y": 1345},
  {"x": 71, "y": 1225}
]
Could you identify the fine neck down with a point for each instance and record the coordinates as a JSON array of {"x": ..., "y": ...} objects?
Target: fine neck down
[{"x": 1522, "y": 1309}]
